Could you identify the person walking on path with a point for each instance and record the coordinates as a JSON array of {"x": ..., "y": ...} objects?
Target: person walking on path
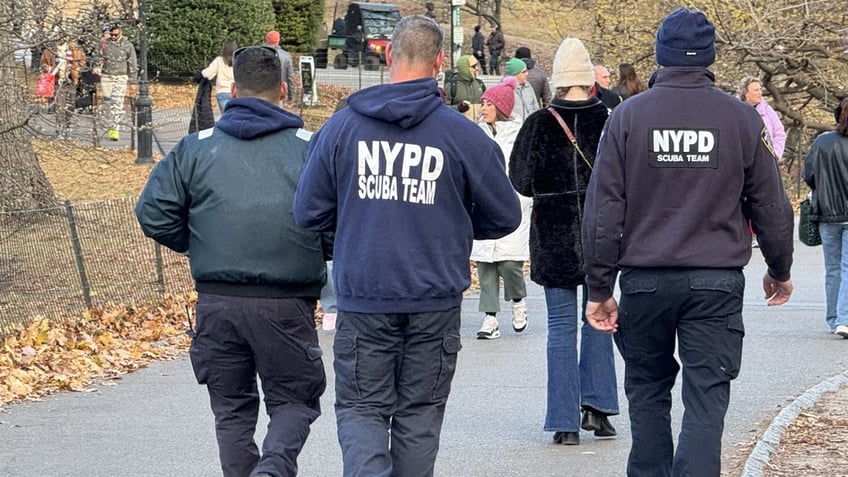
[
  {"x": 554, "y": 169},
  {"x": 406, "y": 184},
  {"x": 667, "y": 205},
  {"x": 119, "y": 68},
  {"x": 496, "y": 44},
  {"x": 478, "y": 48},
  {"x": 526, "y": 100},
  {"x": 503, "y": 258},
  {"x": 751, "y": 91},
  {"x": 272, "y": 39},
  {"x": 221, "y": 70},
  {"x": 826, "y": 173},
  {"x": 535, "y": 76},
  {"x": 223, "y": 197}
]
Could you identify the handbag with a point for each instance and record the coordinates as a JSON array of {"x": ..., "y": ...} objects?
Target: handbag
[{"x": 808, "y": 231}]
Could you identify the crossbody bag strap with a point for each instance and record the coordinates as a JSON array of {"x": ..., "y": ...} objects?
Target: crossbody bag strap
[{"x": 569, "y": 134}]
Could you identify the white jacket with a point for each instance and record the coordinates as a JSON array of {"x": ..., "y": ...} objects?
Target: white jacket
[{"x": 515, "y": 246}]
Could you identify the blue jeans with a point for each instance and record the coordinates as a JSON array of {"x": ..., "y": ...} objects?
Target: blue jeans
[
  {"x": 223, "y": 99},
  {"x": 393, "y": 378},
  {"x": 835, "y": 250},
  {"x": 572, "y": 382},
  {"x": 328, "y": 295},
  {"x": 699, "y": 311}
]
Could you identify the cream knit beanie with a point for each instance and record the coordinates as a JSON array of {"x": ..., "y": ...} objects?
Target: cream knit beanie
[{"x": 572, "y": 66}]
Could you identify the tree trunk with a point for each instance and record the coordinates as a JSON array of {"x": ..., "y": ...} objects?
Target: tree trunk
[{"x": 23, "y": 185}]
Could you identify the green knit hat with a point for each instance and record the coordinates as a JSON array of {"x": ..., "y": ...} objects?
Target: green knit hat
[{"x": 515, "y": 66}]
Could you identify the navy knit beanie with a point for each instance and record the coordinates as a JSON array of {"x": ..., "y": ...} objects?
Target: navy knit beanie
[{"x": 686, "y": 38}]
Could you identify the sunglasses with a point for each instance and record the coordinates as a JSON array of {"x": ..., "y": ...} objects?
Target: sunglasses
[
  {"x": 475, "y": 65},
  {"x": 114, "y": 35},
  {"x": 263, "y": 48}
]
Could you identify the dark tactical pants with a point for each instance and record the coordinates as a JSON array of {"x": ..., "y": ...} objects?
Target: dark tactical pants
[
  {"x": 393, "y": 376},
  {"x": 238, "y": 337},
  {"x": 702, "y": 309}
]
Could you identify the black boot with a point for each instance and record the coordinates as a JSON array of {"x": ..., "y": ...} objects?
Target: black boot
[{"x": 594, "y": 420}]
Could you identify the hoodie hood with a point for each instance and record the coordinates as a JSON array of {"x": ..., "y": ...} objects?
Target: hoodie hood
[
  {"x": 250, "y": 118},
  {"x": 405, "y": 104},
  {"x": 463, "y": 68},
  {"x": 530, "y": 62}
]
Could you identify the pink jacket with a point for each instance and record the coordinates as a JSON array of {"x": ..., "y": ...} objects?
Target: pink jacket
[{"x": 774, "y": 126}]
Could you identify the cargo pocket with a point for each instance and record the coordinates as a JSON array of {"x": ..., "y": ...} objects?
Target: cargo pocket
[
  {"x": 199, "y": 361},
  {"x": 729, "y": 352},
  {"x": 636, "y": 291},
  {"x": 317, "y": 379},
  {"x": 345, "y": 366},
  {"x": 451, "y": 344}
]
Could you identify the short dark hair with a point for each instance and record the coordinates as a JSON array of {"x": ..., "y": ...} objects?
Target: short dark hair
[{"x": 257, "y": 71}]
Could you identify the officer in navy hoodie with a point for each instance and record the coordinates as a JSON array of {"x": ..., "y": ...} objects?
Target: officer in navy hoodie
[
  {"x": 223, "y": 196},
  {"x": 679, "y": 171},
  {"x": 406, "y": 183}
]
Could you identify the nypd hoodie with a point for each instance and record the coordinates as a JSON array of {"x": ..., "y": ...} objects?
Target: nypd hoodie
[{"x": 407, "y": 184}]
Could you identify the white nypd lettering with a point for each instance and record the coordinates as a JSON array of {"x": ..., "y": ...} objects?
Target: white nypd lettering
[
  {"x": 398, "y": 171},
  {"x": 693, "y": 148}
]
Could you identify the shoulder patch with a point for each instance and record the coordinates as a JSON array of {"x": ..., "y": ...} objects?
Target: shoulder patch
[
  {"x": 303, "y": 134},
  {"x": 205, "y": 133}
]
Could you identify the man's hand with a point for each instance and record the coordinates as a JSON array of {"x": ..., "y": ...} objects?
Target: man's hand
[
  {"x": 603, "y": 316},
  {"x": 776, "y": 292}
]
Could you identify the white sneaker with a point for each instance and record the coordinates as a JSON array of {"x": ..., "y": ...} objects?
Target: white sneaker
[
  {"x": 489, "y": 330},
  {"x": 841, "y": 330},
  {"x": 519, "y": 316}
]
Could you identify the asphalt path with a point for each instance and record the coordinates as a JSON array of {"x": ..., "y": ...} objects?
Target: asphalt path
[{"x": 157, "y": 422}]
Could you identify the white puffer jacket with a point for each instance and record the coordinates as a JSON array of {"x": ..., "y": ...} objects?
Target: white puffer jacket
[{"x": 514, "y": 246}]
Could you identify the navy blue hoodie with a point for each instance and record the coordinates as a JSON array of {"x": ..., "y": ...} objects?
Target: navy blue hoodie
[
  {"x": 224, "y": 195},
  {"x": 406, "y": 183}
]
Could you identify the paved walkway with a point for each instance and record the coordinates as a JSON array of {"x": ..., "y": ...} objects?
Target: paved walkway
[{"x": 157, "y": 422}]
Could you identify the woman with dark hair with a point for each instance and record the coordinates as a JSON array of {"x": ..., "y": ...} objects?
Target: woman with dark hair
[
  {"x": 221, "y": 70},
  {"x": 629, "y": 83},
  {"x": 826, "y": 172}
]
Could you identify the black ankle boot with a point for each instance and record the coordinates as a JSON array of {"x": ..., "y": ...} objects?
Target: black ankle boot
[{"x": 597, "y": 421}]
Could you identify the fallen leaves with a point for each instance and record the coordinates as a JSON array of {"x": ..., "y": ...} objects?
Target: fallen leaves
[{"x": 70, "y": 354}]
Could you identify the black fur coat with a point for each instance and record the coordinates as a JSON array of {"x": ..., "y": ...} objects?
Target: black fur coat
[{"x": 545, "y": 166}]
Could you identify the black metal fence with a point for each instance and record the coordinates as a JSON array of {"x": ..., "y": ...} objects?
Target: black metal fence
[{"x": 60, "y": 262}]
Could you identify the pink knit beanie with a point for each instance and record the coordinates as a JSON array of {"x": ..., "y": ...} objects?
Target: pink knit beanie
[{"x": 502, "y": 95}]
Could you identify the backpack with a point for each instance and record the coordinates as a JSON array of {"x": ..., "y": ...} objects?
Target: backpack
[{"x": 451, "y": 77}]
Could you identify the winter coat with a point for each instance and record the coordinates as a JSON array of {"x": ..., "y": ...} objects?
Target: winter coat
[
  {"x": 545, "y": 165},
  {"x": 468, "y": 88},
  {"x": 224, "y": 195},
  {"x": 675, "y": 186},
  {"x": 478, "y": 43},
  {"x": 826, "y": 172},
  {"x": 202, "y": 116},
  {"x": 514, "y": 246},
  {"x": 774, "y": 126},
  {"x": 407, "y": 184},
  {"x": 495, "y": 42},
  {"x": 539, "y": 80},
  {"x": 119, "y": 59},
  {"x": 526, "y": 101}
]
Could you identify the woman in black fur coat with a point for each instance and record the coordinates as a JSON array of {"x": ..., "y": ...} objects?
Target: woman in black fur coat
[{"x": 546, "y": 166}]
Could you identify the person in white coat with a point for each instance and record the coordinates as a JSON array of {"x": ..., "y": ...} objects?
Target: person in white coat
[{"x": 504, "y": 257}]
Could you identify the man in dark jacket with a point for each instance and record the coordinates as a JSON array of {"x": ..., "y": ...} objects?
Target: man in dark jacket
[
  {"x": 535, "y": 76},
  {"x": 224, "y": 196},
  {"x": 496, "y": 44},
  {"x": 478, "y": 45},
  {"x": 391, "y": 173},
  {"x": 665, "y": 207},
  {"x": 601, "y": 89}
]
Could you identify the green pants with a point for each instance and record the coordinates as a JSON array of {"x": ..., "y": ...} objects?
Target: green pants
[{"x": 515, "y": 288}]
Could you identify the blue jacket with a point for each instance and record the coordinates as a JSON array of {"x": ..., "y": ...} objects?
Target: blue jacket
[
  {"x": 406, "y": 183},
  {"x": 225, "y": 194}
]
